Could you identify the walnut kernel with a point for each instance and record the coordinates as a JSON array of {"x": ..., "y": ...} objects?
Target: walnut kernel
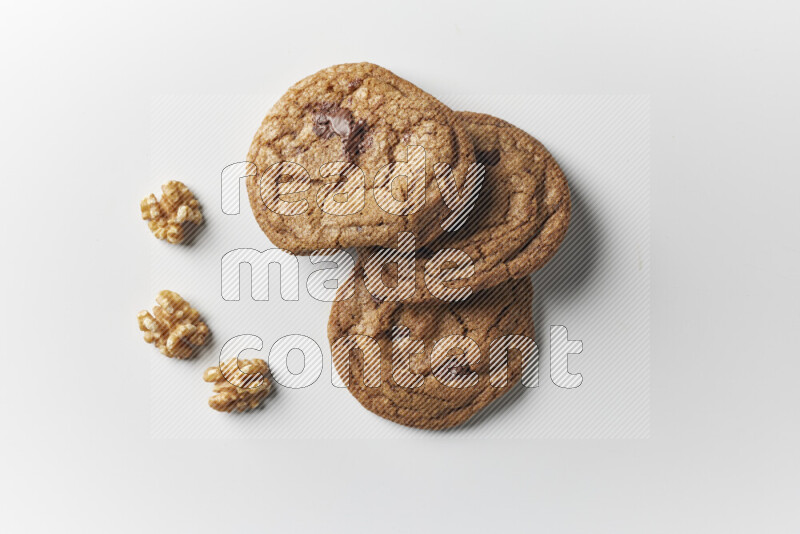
[
  {"x": 168, "y": 216},
  {"x": 174, "y": 326},
  {"x": 239, "y": 385}
]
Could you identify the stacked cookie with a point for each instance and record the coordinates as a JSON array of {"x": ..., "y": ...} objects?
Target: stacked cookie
[{"x": 329, "y": 155}]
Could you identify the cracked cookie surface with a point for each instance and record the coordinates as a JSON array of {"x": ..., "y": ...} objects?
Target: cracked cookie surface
[
  {"x": 436, "y": 402},
  {"x": 521, "y": 214},
  {"x": 357, "y": 114}
]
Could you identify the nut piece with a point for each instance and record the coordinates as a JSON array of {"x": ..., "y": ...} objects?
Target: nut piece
[
  {"x": 174, "y": 326},
  {"x": 167, "y": 216},
  {"x": 247, "y": 384}
]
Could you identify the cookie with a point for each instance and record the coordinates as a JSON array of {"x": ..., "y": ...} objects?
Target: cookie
[
  {"x": 451, "y": 384},
  {"x": 338, "y": 130},
  {"x": 519, "y": 219}
]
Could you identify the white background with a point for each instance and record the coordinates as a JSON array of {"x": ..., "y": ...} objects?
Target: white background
[{"x": 78, "y": 80}]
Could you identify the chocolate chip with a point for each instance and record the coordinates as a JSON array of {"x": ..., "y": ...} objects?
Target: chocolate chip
[
  {"x": 331, "y": 120},
  {"x": 461, "y": 369},
  {"x": 488, "y": 157},
  {"x": 453, "y": 369}
]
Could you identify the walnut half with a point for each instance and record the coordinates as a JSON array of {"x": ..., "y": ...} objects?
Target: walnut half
[
  {"x": 166, "y": 217},
  {"x": 239, "y": 385},
  {"x": 174, "y": 327}
]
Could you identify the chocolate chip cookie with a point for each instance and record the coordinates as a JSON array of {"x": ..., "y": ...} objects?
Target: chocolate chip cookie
[
  {"x": 472, "y": 354},
  {"x": 520, "y": 216},
  {"x": 324, "y": 155}
]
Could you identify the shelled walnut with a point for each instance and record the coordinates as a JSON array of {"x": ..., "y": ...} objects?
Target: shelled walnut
[
  {"x": 174, "y": 326},
  {"x": 238, "y": 385},
  {"x": 167, "y": 217}
]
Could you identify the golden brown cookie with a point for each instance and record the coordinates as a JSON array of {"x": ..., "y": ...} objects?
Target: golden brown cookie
[
  {"x": 453, "y": 375},
  {"x": 327, "y": 127},
  {"x": 519, "y": 219}
]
